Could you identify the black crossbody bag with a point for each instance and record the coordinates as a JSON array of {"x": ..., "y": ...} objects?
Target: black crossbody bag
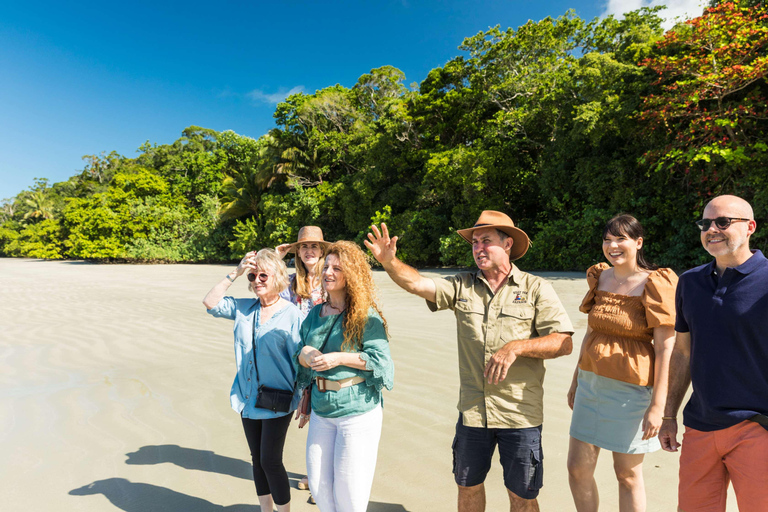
[{"x": 276, "y": 400}]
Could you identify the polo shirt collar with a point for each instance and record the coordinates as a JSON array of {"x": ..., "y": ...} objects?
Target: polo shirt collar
[{"x": 753, "y": 263}]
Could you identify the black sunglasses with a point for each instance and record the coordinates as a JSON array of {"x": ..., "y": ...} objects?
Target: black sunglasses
[
  {"x": 720, "y": 222},
  {"x": 263, "y": 277}
]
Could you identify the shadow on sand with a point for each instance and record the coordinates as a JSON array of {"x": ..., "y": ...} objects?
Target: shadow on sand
[
  {"x": 375, "y": 506},
  {"x": 139, "y": 497},
  {"x": 135, "y": 497},
  {"x": 199, "y": 460}
]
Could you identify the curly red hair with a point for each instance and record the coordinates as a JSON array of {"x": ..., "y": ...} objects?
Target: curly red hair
[{"x": 361, "y": 291}]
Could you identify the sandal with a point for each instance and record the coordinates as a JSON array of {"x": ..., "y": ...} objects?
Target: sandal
[{"x": 303, "y": 484}]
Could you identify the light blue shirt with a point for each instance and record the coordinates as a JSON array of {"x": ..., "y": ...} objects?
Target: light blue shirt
[{"x": 276, "y": 341}]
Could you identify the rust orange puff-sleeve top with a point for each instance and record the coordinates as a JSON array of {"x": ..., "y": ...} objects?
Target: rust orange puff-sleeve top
[{"x": 620, "y": 345}]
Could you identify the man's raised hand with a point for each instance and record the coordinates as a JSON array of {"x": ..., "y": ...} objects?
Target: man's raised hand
[{"x": 381, "y": 245}]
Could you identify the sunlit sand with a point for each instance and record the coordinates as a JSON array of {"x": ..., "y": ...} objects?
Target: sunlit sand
[{"x": 114, "y": 395}]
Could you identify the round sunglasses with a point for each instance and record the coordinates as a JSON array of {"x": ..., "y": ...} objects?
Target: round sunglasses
[
  {"x": 720, "y": 222},
  {"x": 263, "y": 277}
]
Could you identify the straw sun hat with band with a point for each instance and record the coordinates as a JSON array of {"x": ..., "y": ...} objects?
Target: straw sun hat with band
[
  {"x": 303, "y": 285},
  {"x": 502, "y": 222},
  {"x": 309, "y": 234}
]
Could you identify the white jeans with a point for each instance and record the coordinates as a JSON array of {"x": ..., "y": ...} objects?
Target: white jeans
[{"x": 341, "y": 460}]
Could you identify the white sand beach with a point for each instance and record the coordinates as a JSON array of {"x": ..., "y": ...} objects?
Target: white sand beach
[{"x": 114, "y": 395}]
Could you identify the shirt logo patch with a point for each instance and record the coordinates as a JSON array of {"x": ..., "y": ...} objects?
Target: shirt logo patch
[{"x": 520, "y": 297}]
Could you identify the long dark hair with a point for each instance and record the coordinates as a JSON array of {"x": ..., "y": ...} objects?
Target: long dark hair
[{"x": 626, "y": 225}]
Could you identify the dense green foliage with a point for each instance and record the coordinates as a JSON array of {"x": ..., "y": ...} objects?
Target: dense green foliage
[{"x": 561, "y": 123}]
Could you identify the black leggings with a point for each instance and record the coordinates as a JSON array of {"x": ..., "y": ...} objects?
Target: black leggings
[{"x": 266, "y": 439}]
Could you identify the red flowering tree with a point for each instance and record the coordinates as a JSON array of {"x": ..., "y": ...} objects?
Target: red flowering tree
[{"x": 709, "y": 115}]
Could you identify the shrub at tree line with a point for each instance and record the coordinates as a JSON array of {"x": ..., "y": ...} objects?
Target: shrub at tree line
[{"x": 561, "y": 123}]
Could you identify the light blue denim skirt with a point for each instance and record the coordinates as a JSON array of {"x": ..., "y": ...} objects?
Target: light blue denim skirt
[{"x": 609, "y": 413}]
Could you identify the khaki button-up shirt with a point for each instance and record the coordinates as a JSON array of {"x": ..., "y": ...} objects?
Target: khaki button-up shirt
[{"x": 525, "y": 307}]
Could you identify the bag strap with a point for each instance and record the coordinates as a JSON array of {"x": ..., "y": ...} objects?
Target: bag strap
[
  {"x": 327, "y": 337},
  {"x": 328, "y": 334},
  {"x": 256, "y": 318},
  {"x": 762, "y": 419}
]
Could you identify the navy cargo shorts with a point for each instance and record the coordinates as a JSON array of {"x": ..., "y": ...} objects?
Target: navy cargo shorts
[{"x": 519, "y": 449}]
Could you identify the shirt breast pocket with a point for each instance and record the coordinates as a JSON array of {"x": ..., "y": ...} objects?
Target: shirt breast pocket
[
  {"x": 243, "y": 335},
  {"x": 516, "y": 322},
  {"x": 470, "y": 314}
]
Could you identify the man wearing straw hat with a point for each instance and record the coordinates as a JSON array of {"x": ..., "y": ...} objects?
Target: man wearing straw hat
[{"x": 508, "y": 322}]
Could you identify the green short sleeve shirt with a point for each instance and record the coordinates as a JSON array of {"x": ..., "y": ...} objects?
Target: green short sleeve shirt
[{"x": 525, "y": 307}]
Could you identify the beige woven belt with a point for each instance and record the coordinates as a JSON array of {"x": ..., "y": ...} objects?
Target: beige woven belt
[{"x": 324, "y": 385}]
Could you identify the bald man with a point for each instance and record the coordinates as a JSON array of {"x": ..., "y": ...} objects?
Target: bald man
[{"x": 721, "y": 347}]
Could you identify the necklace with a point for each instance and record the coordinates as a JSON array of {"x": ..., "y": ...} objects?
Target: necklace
[
  {"x": 331, "y": 306},
  {"x": 621, "y": 283},
  {"x": 270, "y": 304}
]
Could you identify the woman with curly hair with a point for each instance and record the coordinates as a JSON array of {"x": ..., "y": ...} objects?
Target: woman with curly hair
[{"x": 345, "y": 357}]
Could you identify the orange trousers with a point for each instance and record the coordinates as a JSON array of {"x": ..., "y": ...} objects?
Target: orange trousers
[{"x": 710, "y": 460}]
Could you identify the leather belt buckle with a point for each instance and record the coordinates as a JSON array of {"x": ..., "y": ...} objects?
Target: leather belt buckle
[{"x": 321, "y": 384}]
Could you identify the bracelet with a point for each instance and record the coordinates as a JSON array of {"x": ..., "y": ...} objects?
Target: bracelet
[
  {"x": 230, "y": 279},
  {"x": 669, "y": 417}
]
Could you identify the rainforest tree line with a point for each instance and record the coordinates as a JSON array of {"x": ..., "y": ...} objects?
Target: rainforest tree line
[{"x": 561, "y": 123}]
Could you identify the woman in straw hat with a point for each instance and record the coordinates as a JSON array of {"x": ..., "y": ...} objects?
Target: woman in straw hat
[
  {"x": 304, "y": 288},
  {"x": 345, "y": 356}
]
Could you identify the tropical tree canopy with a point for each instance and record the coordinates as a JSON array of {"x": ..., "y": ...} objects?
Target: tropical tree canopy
[{"x": 561, "y": 123}]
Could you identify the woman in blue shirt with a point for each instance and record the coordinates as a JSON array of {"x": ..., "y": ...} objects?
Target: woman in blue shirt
[
  {"x": 345, "y": 356},
  {"x": 264, "y": 392}
]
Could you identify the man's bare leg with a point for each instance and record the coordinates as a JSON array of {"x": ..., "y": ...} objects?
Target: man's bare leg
[
  {"x": 472, "y": 499},
  {"x": 518, "y": 504}
]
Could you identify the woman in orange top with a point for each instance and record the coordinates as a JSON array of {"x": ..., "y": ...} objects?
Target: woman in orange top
[{"x": 620, "y": 384}]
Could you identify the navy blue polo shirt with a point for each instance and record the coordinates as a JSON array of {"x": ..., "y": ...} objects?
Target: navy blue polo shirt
[{"x": 727, "y": 317}]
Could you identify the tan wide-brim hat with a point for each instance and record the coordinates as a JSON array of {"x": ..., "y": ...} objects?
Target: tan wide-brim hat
[
  {"x": 501, "y": 221},
  {"x": 309, "y": 234}
]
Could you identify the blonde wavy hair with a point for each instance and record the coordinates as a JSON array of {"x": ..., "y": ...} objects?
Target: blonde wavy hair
[
  {"x": 268, "y": 259},
  {"x": 361, "y": 292},
  {"x": 300, "y": 285}
]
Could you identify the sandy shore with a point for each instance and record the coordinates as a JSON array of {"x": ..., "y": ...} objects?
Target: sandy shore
[{"x": 114, "y": 388}]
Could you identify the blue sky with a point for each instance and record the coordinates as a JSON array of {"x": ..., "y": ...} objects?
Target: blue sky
[{"x": 80, "y": 78}]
